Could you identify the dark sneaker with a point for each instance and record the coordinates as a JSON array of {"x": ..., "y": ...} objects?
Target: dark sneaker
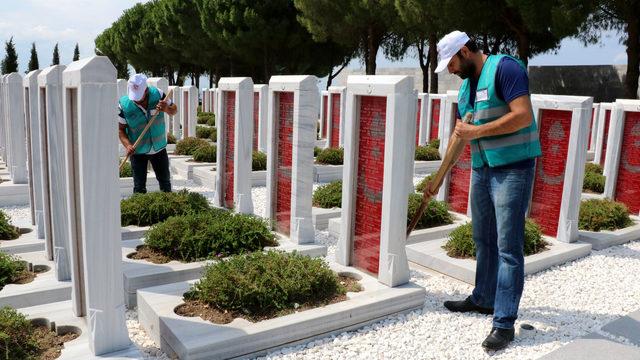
[
  {"x": 498, "y": 339},
  {"x": 466, "y": 305}
]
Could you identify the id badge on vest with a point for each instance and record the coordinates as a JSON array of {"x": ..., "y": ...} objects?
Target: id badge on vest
[{"x": 482, "y": 95}]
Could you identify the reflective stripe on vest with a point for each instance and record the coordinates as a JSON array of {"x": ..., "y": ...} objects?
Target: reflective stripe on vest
[
  {"x": 136, "y": 122},
  {"x": 496, "y": 150}
]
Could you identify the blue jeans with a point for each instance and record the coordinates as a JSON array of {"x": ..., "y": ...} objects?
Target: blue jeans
[{"x": 499, "y": 202}]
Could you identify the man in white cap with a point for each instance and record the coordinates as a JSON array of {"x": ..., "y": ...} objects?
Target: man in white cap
[
  {"x": 504, "y": 145},
  {"x": 135, "y": 111}
]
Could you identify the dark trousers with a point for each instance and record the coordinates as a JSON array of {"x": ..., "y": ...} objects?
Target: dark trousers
[{"x": 159, "y": 162}]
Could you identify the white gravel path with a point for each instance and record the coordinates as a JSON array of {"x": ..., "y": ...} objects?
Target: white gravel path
[{"x": 562, "y": 303}]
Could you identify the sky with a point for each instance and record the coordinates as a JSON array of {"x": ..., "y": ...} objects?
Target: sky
[{"x": 67, "y": 22}]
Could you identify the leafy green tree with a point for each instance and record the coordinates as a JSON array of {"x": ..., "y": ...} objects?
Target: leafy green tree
[
  {"x": 76, "y": 53},
  {"x": 33, "y": 60},
  {"x": 365, "y": 25},
  {"x": 624, "y": 17},
  {"x": 105, "y": 46},
  {"x": 10, "y": 61},
  {"x": 56, "y": 56}
]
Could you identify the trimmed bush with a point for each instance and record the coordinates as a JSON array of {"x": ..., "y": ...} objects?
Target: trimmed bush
[
  {"x": 603, "y": 214},
  {"x": 211, "y": 234},
  {"x": 171, "y": 139},
  {"x": 205, "y": 154},
  {"x": 151, "y": 208},
  {"x": 592, "y": 168},
  {"x": 331, "y": 156},
  {"x": 18, "y": 338},
  {"x": 427, "y": 153},
  {"x": 214, "y": 134},
  {"x": 264, "y": 284},
  {"x": 212, "y": 120},
  {"x": 189, "y": 145},
  {"x": 7, "y": 231},
  {"x": 329, "y": 195},
  {"x": 316, "y": 151},
  {"x": 423, "y": 183},
  {"x": 126, "y": 170},
  {"x": 435, "y": 143},
  {"x": 436, "y": 213},
  {"x": 203, "y": 132},
  {"x": 205, "y": 118},
  {"x": 258, "y": 161},
  {"x": 10, "y": 268},
  {"x": 461, "y": 245},
  {"x": 593, "y": 182}
]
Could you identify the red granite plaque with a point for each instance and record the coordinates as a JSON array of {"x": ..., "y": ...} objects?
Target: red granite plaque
[
  {"x": 335, "y": 120},
  {"x": 185, "y": 114},
  {"x": 555, "y": 127},
  {"x": 284, "y": 162},
  {"x": 324, "y": 116},
  {"x": 435, "y": 119},
  {"x": 229, "y": 131},
  {"x": 628, "y": 182},
  {"x": 460, "y": 179},
  {"x": 418, "y": 122},
  {"x": 593, "y": 114},
  {"x": 256, "y": 119},
  {"x": 368, "y": 206},
  {"x": 605, "y": 135}
]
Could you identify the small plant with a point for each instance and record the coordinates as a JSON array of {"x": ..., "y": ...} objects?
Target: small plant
[
  {"x": 435, "y": 143},
  {"x": 7, "y": 231},
  {"x": 436, "y": 213},
  {"x": 329, "y": 195},
  {"x": 593, "y": 178},
  {"x": 259, "y": 161},
  {"x": 264, "y": 284},
  {"x": 212, "y": 234},
  {"x": 423, "y": 183},
  {"x": 10, "y": 269},
  {"x": 461, "y": 245},
  {"x": 189, "y": 145},
  {"x": 151, "y": 208},
  {"x": 206, "y": 118},
  {"x": 592, "y": 168},
  {"x": 205, "y": 154},
  {"x": 171, "y": 139},
  {"x": 331, "y": 156},
  {"x": 126, "y": 171},
  {"x": 212, "y": 120},
  {"x": 316, "y": 151},
  {"x": 427, "y": 153},
  {"x": 203, "y": 132},
  {"x": 17, "y": 336},
  {"x": 603, "y": 214},
  {"x": 214, "y": 135}
]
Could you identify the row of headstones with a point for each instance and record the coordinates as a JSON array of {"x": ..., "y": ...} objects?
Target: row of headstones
[{"x": 58, "y": 125}]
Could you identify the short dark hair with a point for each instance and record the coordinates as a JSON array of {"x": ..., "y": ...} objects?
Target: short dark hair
[{"x": 471, "y": 45}]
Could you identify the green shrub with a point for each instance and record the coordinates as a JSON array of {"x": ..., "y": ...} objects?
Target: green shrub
[
  {"x": 427, "y": 153},
  {"x": 151, "y": 208},
  {"x": 264, "y": 284},
  {"x": 461, "y": 245},
  {"x": 214, "y": 135},
  {"x": 329, "y": 195},
  {"x": 603, "y": 214},
  {"x": 7, "y": 231},
  {"x": 316, "y": 151},
  {"x": 435, "y": 143},
  {"x": 203, "y": 132},
  {"x": 206, "y": 118},
  {"x": 436, "y": 213},
  {"x": 593, "y": 182},
  {"x": 259, "y": 161},
  {"x": 212, "y": 120},
  {"x": 205, "y": 154},
  {"x": 592, "y": 168},
  {"x": 331, "y": 156},
  {"x": 421, "y": 185},
  {"x": 189, "y": 145},
  {"x": 126, "y": 171},
  {"x": 18, "y": 339},
  {"x": 214, "y": 233},
  {"x": 171, "y": 139},
  {"x": 10, "y": 268}
]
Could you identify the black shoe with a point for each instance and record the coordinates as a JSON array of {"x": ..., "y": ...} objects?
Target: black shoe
[
  {"x": 466, "y": 305},
  {"x": 498, "y": 339}
]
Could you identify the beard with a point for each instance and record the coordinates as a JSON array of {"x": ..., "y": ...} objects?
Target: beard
[{"x": 467, "y": 68}]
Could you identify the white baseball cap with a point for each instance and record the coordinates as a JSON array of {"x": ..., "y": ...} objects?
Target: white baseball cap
[
  {"x": 136, "y": 86},
  {"x": 448, "y": 46}
]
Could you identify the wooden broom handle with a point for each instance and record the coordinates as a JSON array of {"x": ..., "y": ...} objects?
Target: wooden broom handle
[
  {"x": 454, "y": 150},
  {"x": 144, "y": 132}
]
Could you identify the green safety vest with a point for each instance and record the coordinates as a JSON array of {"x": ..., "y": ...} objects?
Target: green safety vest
[
  {"x": 136, "y": 122},
  {"x": 502, "y": 149}
]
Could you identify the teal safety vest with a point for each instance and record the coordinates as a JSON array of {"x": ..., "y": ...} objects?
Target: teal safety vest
[
  {"x": 502, "y": 149},
  {"x": 155, "y": 137}
]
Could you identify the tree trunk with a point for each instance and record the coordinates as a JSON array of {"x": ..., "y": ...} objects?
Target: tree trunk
[
  {"x": 433, "y": 62},
  {"x": 523, "y": 47},
  {"x": 485, "y": 43},
  {"x": 211, "y": 82},
  {"x": 333, "y": 75},
  {"x": 372, "y": 45},
  {"x": 424, "y": 66},
  {"x": 633, "y": 58}
]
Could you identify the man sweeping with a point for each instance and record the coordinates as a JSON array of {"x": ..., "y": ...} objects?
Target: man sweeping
[
  {"x": 136, "y": 109},
  {"x": 504, "y": 145}
]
